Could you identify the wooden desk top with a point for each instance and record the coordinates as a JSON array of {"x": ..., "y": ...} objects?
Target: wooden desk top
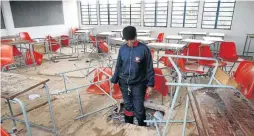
[
  {"x": 222, "y": 112},
  {"x": 9, "y": 37},
  {"x": 19, "y": 42},
  {"x": 13, "y": 85}
]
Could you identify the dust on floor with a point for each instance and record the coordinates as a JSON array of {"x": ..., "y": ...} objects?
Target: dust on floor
[{"x": 66, "y": 108}]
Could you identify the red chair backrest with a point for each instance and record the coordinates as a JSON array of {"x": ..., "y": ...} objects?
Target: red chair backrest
[
  {"x": 64, "y": 40},
  {"x": 205, "y": 51},
  {"x": 25, "y": 36},
  {"x": 160, "y": 82},
  {"x": 92, "y": 39},
  {"x": 103, "y": 47},
  {"x": 181, "y": 64},
  {"x": 227, "y": 51},
  {"x": 193, "y": 49},
  {"x": 6, "y": 54},
  {"x": 160, "y": 37},
  {"x": 244, "y": 76}
]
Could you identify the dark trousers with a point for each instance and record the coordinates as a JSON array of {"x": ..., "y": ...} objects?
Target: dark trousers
[{"x": 134, "y": 102}]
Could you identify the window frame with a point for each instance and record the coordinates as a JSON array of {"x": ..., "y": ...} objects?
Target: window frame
[
  {"x": 184, "y": 15},
  {"x": 217, "y": 15},
  {"x": 89, "y": 14},
  {"x": 108, "y": 13},
  {"x": 130, "y": 12},
  {"x": 155, "y": 14}
]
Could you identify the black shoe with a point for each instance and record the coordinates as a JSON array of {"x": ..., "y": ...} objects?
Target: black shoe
[
  {"x": 141, "y": 120},
  {"x": 128, "y": 119},
  {"x": 141, "y": 123}
]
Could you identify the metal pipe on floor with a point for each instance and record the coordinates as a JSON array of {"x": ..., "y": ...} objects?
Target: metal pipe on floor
[
  {"x": 93, "y": 112},
  {"x": 198, "y": 85},
  {"x": 171, "y": 121},
  {"x": 185, "y": 115}
]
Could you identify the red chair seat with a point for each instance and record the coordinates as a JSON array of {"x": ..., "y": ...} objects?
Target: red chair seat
[
  {"x": 194, "y": 69},
  {"x": 37, "y": 56},
  {"x": 213, "y": 64},
  {"x": 65, "y": 40}
]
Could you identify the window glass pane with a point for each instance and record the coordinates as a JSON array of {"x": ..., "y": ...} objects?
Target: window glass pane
[
  {"x": 185, "y": 9},
  {"x": 108, "y": 9},
  {"x": 88, "y": 12},
  {"x": 191, "y": 25},
  {"x": 223, "y": 17},
  {"x": 132, "y": 10}
]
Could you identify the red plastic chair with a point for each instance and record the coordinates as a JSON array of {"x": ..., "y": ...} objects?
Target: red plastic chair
[
  {"x": 193, "y": 49},
  {"x": 37, "y": 56},
  {"x": 6, "y": 55},
  {"x": 227, "y": 52},
  {"x": 160, "y": 82},
  {"x": 25, "y": 36},
  {"x": 64, "y": 40},
  {"x": 92, "y": 39},
  {"x": 192, "y": 68},
  {"x": 96, "y": 89},
  {"x": 160, "y": 37},
  {"x": 54, "y": 44},
  {"x": 244, "y": 76},
  {"x": 165, "y": 60},
  {"x": 205, "y": 51},
  {"x": 4, "y": 132},
  {"x": 16, "y": 52}
]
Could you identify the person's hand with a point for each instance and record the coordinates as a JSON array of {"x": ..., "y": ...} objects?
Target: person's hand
[
  {"x": 149, "y": 90},
  {"x": 112, "y": 88}
]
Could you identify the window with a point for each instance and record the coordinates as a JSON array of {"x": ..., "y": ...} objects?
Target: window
[
  {"x": 218, "y": 14},
  {"x": 131, "y": 12},
  {"x": 88, "y": 12},
  {"x": 156, "y": 13},
  {"x": 185, "y": 13},
  {"x": 108, "y": 12}
]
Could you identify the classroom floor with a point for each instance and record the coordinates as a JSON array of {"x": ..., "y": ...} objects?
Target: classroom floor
[{"x": 65, "y": 107}]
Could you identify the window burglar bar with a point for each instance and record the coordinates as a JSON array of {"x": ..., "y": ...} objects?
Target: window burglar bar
[{"x": 219, "y": 14}]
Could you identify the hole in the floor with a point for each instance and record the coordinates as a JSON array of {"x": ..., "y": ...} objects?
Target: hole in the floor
[{"x": 150, "y": 115}]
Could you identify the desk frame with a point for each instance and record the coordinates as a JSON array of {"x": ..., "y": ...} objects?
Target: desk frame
[{"x": 23, "y": 108}]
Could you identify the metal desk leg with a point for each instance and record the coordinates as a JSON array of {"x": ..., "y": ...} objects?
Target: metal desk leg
[
  {"x": 158, "y": 58},
  {"x": 9, "y": 105},
  {"x": 50, "y": 108},
  {"x": 32, "y": 54},
  {"x": 23, "y": 108}
]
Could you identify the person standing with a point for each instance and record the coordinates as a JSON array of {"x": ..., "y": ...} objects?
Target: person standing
[{"x": 135, "y": 75}]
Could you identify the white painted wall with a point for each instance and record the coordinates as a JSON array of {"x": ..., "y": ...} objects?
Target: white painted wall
[
  {"x": 243, "y": 23},
  {"x": 70, "y": 18}
]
